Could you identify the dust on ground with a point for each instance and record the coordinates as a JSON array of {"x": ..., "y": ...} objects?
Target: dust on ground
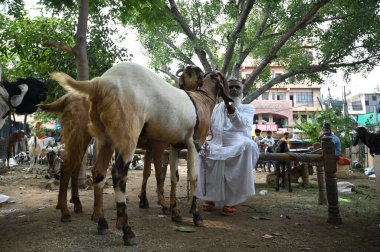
[{"x": 277, "y": 221}]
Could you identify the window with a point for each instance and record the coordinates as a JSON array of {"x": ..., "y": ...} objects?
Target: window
[
  {"x": 265, "y": 96},
  {"x": 255, "y": 119},
  {"x": 279, "y": 96},
  {"x": 366, "y": 103},
  {"x": 280, "y": 121},
  {"x": 275, "y": 74},
  {"x": 265, "y": 118},
  {"x": 304, "y": 97},
  {"x": 374, "y": 98},
  {"x": 357, "y": 105}
]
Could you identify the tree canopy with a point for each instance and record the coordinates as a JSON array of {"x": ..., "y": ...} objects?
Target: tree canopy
[
  {"x": 41, "y": 45},
  {"x": 308, "y": 38}
]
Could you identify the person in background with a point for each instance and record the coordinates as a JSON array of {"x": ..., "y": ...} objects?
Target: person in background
[
  {"x": 326, "y": 131},
  {"x": 257, "y": 139},
  {"x": 268, "y": 142},
  {"x": 286, "y": 138}
]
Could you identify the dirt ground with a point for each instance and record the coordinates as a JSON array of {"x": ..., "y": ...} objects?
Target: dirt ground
[{"x": 277, "y": 221}]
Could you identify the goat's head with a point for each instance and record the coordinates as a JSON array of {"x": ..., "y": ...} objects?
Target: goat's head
[
  {"x": 51, "y": 157},
  {"x": 25, "y": 94},
  {"x": 214, "y": 83},
  {"x": 191, "y": 78},
  {"x": 360, "y": 134}
]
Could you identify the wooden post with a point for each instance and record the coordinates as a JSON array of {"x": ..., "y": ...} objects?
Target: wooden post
[
  {"x": 376, "y": 164},
  {"x": 322, "y": 198},
  {"x": 329, "y": 161}
]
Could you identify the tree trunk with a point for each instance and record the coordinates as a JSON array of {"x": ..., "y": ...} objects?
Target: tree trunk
[{"x": 80, "y": 52}]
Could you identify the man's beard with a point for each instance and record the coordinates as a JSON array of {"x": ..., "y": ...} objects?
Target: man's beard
[{"x": 237, "y": 100}]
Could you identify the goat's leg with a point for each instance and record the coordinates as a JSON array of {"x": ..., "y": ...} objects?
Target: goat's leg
[
  {"x": 76, "y": 171},
  {"x": 288, "y": 169},
  {"x": 160, "y": 179},
  {"x": 283, "y": 170},
  {"x": 173, "y": 160},
  {"x": 62, "y": 194},
  {"x": 146, "y": 174},
  {"x": 119, "y": 175},
  {"x": 192, "y": 161},
  {"x": 99, "y": 172},
  {"x": 75, "y": 183},
  {"x": 277, "y": 171}
]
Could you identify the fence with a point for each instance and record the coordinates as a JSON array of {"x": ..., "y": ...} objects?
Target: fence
[{"x": 326, "y": 173}]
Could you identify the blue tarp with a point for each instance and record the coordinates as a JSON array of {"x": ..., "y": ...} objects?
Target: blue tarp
[{"x": 367, "y": 119}]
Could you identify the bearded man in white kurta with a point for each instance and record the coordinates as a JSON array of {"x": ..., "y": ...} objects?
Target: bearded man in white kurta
[{"x": 226, "y": 163}]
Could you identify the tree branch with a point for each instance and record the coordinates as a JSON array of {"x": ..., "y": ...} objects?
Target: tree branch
[
  {"x": 169, "y": 42},
  {"x": 166, "y": 70},
  {"x": 59, "y": 46},
  {"x": 283, "y": 39},
  {"x": 308, "y": 70},
  {"x": 243, "y": 55},
  {"x": 198, "y": 50},
  {"x": 240, "y": 22}
]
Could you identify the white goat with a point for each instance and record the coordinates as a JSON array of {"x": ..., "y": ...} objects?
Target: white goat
[
  {"x": 128, "y": 100},
  {"x": 35, "y": 147}
]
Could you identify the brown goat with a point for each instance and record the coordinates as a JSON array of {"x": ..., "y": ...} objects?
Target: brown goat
[
  {"x": 18, "y": 135},
  {"x": 72, "y": 111},
  {"x": 190, "y": 79},
  {"x": 73, "y": 114},
  {"x": 145, "y": 104}
]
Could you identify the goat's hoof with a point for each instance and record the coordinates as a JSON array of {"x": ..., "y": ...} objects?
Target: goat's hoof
[
  {"x": 78, "y": 208},
  {"x": 129, "y": 237},
  {"x": 102, "y": 226},
  {"x": 165, "y": 210},
  {"x": 66, "y": 218},
  {"x": 177, "y": 219},
  {"x": 120, "y": 223},
  {"x": 144, "y": 204},
  {"x": 95, "y": 217},
  {"x": 197, "y": 220}
]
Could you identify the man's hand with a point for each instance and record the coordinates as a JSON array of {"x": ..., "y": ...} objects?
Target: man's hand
[{"x": 227, "y": 101}]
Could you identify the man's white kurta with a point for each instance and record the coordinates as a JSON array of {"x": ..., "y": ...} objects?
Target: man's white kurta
[{"x": 227, "y": 178}]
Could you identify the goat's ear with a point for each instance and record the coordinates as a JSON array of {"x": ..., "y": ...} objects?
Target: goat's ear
[
  {"x": 200, "y": 77},
  {"x": 17, "y": 99},
  {"x": 223, "y": 79},
  {"x": 180, "y": 82}
]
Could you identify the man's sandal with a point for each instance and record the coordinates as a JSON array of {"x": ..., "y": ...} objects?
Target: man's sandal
[
  {"x": 229, "y": 210},
  {"x": 208, "y": 206}
]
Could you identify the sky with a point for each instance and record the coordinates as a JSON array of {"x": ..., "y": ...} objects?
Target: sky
[{"x": 336, "y": 82}]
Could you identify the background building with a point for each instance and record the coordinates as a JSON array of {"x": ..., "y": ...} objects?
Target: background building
[{"x": 280, "y": 105}]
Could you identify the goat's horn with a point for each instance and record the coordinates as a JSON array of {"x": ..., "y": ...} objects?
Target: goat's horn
[{"x": 179, "y": 71}]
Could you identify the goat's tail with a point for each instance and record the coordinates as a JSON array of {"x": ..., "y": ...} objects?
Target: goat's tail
[
  {"x": 82, "y": 87},
  {"x": 56, "y": 106}
]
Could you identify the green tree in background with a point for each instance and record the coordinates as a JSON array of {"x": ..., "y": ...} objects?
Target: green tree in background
[
  {"x": 341, "y": 125},
  {"x": 309, "y": 38},
  {"x": 25, "y": 48}
]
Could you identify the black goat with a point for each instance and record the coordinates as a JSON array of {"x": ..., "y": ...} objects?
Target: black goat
[
  {"x": 371, "y": 140},
  {"x": 282, "y": 147},
  {"x": 21, "y": 96}
]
